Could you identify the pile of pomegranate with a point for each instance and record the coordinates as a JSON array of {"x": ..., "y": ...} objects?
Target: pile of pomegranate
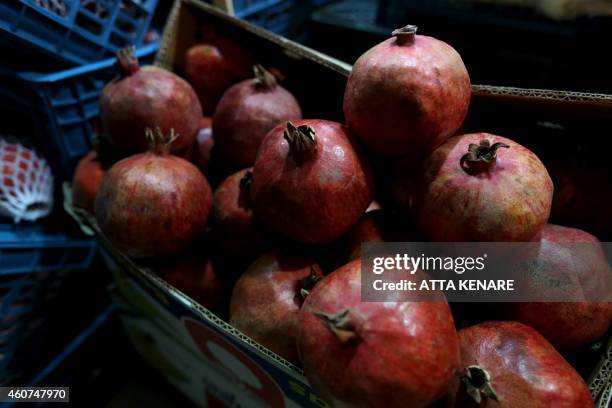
[{"x": 260, "y": 215}]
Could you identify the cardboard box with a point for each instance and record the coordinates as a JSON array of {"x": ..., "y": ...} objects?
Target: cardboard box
[{"x": 210, "y": 361}]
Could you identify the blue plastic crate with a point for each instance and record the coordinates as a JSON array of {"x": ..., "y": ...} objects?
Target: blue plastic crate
[
  {"x": 33, "y": 262},
  {"x": 60, "y": 110},
  {"x": 245, "y": 8},
  {"x": 88, "y": 31},
  {"x": 276, "y": 18}
]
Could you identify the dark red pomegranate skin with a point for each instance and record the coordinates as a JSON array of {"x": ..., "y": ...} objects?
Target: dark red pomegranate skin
[
  {"x": 213, "y": 68},
  {"x": 148, "y": 97},
  {"x": 525, "y": 369},
  {"x": 241, "y": 238},
  {"x": 313, "y": 195},
  {"x": 572, "y": 324},
  {"x": 377, "y": 226},
  {"x": 152, "y": 205},
  {"x": 394, "y": 354},
  {"x": 247, "y": 112},
  {"x": 193, "y": 273},
  {"x": 508, "y": 199},
  {"x": 204, "y": 145},
  {"x": 406, "y": 95},
  {"x": 86, "y": 181},
  {"x": 267, "y": 298}
]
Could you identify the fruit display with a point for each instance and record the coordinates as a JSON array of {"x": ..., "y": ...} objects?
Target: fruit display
[
  {"x": 407, "y": 95},
  {"x": 310, "y": 181},
  {"x": 86, "y": 181},
  {"x": 567, "y": 324},
  {"x": 508, "y": 364},
  {"x": 212, "y": 67},
  {"x": 247, "y": 112},
  {"x": 482, "y": 187},
  {"x": 267, "y": 298},
  {"x": 147, "y": 97},
  {"x": 153, "y": 203},
  {"x": 265, "y": 227},
  {"x": 363, "y": 353}
]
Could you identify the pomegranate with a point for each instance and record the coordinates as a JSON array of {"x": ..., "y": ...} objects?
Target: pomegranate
[
  {"x": 147, "y": 97},
  {"x": 267, "y": 298},
  {"x": 580, "y": 198},
  {"x": 407, "y": 94},
  {"x": 469, "y": 190},
  {"x": 213, "y": 67},
  {"x": 567, "y": 325},
  {"x": 310, "y": 182},
  {"x": 247, "y": 112},
  {"x": 153, "y": 203},
  {"x": 376, "y": 226},
  {"x": 508, "y": 364},
  {"x": 194, "y": 274},
  {"x": 204, "y": 145},
  {"x": 371, "y": 354},
  {"x": 86, "y": 181},
  {"x": 240, "y": 236}
]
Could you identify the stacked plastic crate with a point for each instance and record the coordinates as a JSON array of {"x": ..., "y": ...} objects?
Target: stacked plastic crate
[
  {"x": 70, "y": 43},
  {"x": 273, "y": 15}
]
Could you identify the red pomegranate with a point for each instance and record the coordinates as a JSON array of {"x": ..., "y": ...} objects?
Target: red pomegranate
[
  {"x": 153, "y": 203},
  {"x": 579, "y": 198},
  {"x": 204, "y": 145},
  {"x": 213, "y": 67},
  {"x": 587, "y": 276},
  {"x": 407, "y": 94},
  {"x": 147, "y": 97},
  {"x": 482, "y": 187},
  {"x": 372, "y": 354},
  {"x": 194, "y": 274},
  {"x": 376, "y": 226},
  {"x": 247, "y": 112},
  {"x": 310, "y": 182},
  {"x": 508, "y": 364},
  {"x": 240, "y": 236},
  {"x": 267, "y": 298},
  {"x": 86, "y": 181}
]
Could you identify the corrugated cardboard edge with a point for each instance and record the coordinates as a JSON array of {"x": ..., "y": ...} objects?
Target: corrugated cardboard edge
[
  {"x": 166, "y": 53},
  {"x": 125, "y": 262}
]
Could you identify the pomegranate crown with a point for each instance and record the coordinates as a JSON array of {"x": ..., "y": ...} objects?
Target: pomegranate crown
[
  {"x": 301, "y": 139},
  {"x": 263, "y": 78},
  {"x": 127, "y": 61},
  {"x": 405, "y": 34},
  {"x": 343, "y": 324},
  {"x": 159, "y": 143},
  {"x": 478, "y": 383},
  {"x": 482, "y": 152}
]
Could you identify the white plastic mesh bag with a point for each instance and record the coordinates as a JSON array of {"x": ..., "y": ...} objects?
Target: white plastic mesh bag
[{"x": 26, "y": 182}]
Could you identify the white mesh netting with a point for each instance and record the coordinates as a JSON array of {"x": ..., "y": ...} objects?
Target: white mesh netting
[{"x": 26, "y": 182}]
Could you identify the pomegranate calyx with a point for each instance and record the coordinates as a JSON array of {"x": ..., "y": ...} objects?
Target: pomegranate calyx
[
  {"x": 301, "y": 139},
  {"x": 341, "y": 324},
  {"x": 478, "y": 383},
  {"x": 127, "y": 61},
  {"x": 483, "y": 152},
  {"x": 308, "y": 283},
  {"x": 405, "y": 35},
  {"x": 263, "y": 78},
  {"x": 158, "y": 142}
]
